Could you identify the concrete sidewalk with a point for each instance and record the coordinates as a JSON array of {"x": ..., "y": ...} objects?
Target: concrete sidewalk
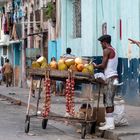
[{"x": 58, "y": 107}]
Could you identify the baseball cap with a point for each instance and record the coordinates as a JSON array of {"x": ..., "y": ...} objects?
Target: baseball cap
[{"x": 105, "y": 38}]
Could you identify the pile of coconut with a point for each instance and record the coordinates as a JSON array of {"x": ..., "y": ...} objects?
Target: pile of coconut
[{"x": 75, "y": 64}]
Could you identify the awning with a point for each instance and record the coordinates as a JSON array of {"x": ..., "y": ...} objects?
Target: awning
[
  {"x": 3, "y": 44},
  {"x": 15, "y": 41},
  {"x": 4, "y": 41}
]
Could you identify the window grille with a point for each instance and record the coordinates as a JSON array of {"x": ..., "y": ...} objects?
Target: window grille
[{"x": 77, "y": 18}]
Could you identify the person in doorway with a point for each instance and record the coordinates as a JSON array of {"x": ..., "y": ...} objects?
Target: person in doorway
[
  {"x": 8, "y": 72},
  {"x": 109, "y": 65},
  {"x": 68, "y": 54}
]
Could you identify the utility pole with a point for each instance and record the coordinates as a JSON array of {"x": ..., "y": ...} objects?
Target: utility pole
[
  {"x": 28, "y": 24},
  {"x": 23, "y": 55},
  {"x": 41, "y": 24}
]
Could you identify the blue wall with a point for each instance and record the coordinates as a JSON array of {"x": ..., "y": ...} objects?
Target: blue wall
[
  {"x": 54, "y": 49},
  {"x": 17, "y": 54}
]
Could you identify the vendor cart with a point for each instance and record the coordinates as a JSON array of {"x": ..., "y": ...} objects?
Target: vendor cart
[{"x": 69, "y": 77}]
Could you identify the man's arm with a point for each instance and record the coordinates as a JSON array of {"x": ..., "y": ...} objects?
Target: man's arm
[
  {"x": 104, "y": 61},
  {"x": 134, "y": 42}
]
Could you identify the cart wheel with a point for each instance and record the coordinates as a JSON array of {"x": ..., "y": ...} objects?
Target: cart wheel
[
  {"x": 92, "y": 127},
  {"x": 83, "y": 131},
  {"x": 44, "y": 123},
  {"x": 27, "y": 124}
]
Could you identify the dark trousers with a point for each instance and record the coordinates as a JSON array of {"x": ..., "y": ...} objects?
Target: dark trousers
[{"x": 8, "y": 79}]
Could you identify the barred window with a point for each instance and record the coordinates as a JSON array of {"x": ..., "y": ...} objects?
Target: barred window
[{"x": 77, "y": 18}]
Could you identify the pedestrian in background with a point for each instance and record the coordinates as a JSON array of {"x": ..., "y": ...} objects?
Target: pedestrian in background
[
  {"x": 68, "y": 54},
  {"x": 8, "y": 73}
]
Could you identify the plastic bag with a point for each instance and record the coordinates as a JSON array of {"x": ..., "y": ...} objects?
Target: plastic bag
[{"x": 119, "y": 113}]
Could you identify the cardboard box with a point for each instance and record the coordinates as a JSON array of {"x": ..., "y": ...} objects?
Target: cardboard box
[{"x": 99, "y": 115}]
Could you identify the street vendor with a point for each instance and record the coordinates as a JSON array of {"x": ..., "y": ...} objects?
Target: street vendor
[{"x": 109, "y": 65}]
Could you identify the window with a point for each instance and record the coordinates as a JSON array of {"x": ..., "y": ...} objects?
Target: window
[
  {"x": 77, "y": 18},
  {"x": 4, "y": 50}
]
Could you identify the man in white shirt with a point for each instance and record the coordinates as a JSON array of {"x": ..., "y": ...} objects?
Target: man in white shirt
[{"x": 109, "y": 65}]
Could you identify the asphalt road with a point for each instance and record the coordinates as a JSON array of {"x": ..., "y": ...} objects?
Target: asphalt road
[{"x": 12, "y": 123}]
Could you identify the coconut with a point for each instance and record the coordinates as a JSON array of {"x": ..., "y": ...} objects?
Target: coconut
[
  {"x": 78, "y": 60},
  {"x": 69, "y": 62},
  {"x": 90, "y": 67},
  {"x": 53, "y": 64},
  {"x": 60, "y": 61},
  {"x": 44, "y": 65},
  {"x": 41, "y": 60},
  {"x": 73, "y": 68},
  {"x": 35, "y": 64},
  {"x": 80, "y": 67},
  {"x": 62, "y": 66},
  {"x": 85, "y": 70}
]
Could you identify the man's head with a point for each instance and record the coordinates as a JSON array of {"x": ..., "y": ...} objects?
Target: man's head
[
  {"x": 38, "y": 56},
  {"x": 7, "y": 60},
  {"x": 105, "y": 40},
  {"x": 68, "y": 50}
]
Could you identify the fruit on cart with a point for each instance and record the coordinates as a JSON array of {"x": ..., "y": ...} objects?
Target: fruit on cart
[
  {"x": 73, "y": 68},
  {"x": 53, "y": 64},
  {"x": 90, "y": 67},
  {"x": 62, "y": 66},
  {"x": 80, "y": 67},
  {"x": 85, "y": 70},
  {"x": 60, "y": 61},
  {"x": 69, "y": 62},
  {"x": 35, "y": 64},
  {"x": 41, "y": 60},
  {"x": 44, "y": 65},
  {"x": 78, "y": 60}
]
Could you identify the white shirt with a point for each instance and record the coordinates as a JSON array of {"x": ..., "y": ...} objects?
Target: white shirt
[{"x": 111, "y": 69}]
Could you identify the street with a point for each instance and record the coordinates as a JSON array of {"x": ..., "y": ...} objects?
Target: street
[{"x": 12, "y": 124}]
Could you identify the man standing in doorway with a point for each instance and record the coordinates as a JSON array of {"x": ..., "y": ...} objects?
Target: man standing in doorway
[
  {"x": 8, "y": 72},
  {"x": 109, "y": 65},
  {"x": 68, "y": 54}
]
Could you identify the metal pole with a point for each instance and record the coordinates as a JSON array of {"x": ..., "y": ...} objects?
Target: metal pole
[
  {"x": 28, "y": 27},
  {"x": 41, "y": 24},
  {"x": 23, "y": 57}
]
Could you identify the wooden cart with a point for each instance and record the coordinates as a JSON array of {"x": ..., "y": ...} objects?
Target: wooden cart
[{"x": 62, "y": 76}]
